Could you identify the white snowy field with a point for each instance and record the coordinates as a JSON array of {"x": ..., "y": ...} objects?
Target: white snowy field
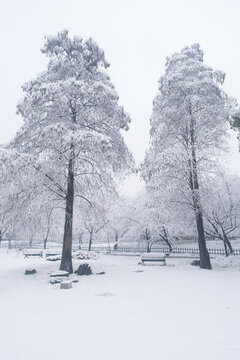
[{"x": 174, "y": 312}]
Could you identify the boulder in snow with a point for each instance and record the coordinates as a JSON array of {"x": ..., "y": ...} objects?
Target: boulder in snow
[
  {"x": 30, "y": 271},
  {"x": 84, "y": 269}
]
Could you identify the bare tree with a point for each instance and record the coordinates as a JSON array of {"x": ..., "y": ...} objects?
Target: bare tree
[{"x": 222, "y": 209}]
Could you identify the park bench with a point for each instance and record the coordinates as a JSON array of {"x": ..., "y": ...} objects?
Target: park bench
[
  {"x": 29, "y": 253},
  {"x": 49, "y": 253},
  {"x": 58, "y": 276},
  {"x": 153, "y": 258}
]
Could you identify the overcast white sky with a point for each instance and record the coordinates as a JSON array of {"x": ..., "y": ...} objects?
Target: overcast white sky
[{"x": 136, "y": 36}]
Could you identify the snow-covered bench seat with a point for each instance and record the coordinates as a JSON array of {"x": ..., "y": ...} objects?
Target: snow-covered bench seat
[
  {"x": 58, "y": 276},
  {"x": 53, "y": 252},
  {"x": 31, "y": 252},
  {"x": 153, "y": 258}
]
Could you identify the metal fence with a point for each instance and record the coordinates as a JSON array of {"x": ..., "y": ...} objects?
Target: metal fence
[
  {"x": 136, "y": 250},
  {"x": 176, "y": 250}
]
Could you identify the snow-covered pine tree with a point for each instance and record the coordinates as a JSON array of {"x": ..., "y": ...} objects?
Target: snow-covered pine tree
[
  {"x": 72, "y": 126},
  {"x": 188, "y": 124}
]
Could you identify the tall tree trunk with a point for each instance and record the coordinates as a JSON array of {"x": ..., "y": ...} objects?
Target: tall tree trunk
[
  {"x": 66, "y": 262},
  {"x": 148, "y": 237},
  {"x": 80, "y": 240},
  {"x": 45, "y": 240},
  {"x": 148, "y": 248},
  {"x": 227, "y": 242},
  {"x": 204, "y": 255},
  {"x": 116, "y": 242},
  {"x": 48, "y": 229},
  {"x": 90, "y": 240},
  {"x": 194, "y": 185},
  {"x": 45, "y": 243},
  {"x": 165, "y": 238},
  {"x": 31, "y": 241},
  {"x": 225, "y": 248}
]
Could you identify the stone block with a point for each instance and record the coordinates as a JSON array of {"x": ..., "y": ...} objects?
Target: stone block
[{"x": 66, "y": 284}]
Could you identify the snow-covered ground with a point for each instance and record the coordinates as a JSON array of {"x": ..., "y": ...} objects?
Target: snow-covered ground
[{"x": 132, "y": 312}]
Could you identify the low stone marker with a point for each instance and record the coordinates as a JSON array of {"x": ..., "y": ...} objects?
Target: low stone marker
[{"x": 67, "y": 284}]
